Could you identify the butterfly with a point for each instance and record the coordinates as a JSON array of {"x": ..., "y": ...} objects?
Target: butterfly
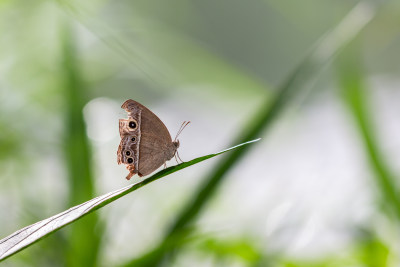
[{"x": 146, "y": 143}]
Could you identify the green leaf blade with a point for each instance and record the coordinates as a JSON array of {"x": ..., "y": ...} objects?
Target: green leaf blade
[{"x": 29, "y": 235}]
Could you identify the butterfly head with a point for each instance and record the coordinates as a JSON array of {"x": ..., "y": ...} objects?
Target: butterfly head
[{"x": 176, "y": 144}]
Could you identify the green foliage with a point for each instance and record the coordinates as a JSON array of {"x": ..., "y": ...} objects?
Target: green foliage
[
  {"x": 297, "y": 82},
  {"x": 84, "y": 238},
  {"x": 242, "y": 249},
  {"x": 357, "y": 97},
  {"x": 56, "y": 56}
]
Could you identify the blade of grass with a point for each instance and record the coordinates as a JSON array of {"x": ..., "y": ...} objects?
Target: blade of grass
[
  {"x": 356, "y": 97},
  {"x": 27, "y": 236},
  {"x": 84, "y": 238},
  {"x": 296, "y": 83}
]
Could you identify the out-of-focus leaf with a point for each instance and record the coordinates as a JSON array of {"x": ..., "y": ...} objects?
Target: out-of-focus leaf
[
  {"x": 84, "y": 239},
  {"x": 33, "y": 233},
  {"x": 356, "y": 96},
  {"x": 371, "y": 250},
  {"x": 367, "y": 251},
  {"x": 242, "y": 249}
]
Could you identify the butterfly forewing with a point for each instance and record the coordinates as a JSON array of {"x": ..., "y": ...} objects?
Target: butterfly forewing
[{"x": 156, "y": 145}]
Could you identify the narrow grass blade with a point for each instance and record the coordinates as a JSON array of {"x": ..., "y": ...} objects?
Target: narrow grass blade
[
  {"x": 83, "y": 246},
  {"x": 356, "y": 96},
  {"x": 27, "y": 236}
]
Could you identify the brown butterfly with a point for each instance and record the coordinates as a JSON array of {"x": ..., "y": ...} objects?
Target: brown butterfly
[{"x": 145, "y": 141}]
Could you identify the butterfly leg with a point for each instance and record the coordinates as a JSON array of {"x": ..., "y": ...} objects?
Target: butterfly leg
[
  {"x": 165, "y": 165},
  {"x": 177, "y": 155},
  {"x": 176, "y": 159},
  {"x": 132, "y": 172}
]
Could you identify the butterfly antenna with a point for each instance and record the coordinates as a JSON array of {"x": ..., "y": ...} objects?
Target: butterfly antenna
[
  {"x": 180, "y": 130},
  {"x": 183, "y": 126}
]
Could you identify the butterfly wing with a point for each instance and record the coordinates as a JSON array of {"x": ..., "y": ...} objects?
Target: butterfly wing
[
  {"x": 128, "y": 150},
  {"x": 155, "y": 143}
]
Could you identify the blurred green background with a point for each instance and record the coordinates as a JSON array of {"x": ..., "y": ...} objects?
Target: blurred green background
[{"x": 320, "y": 189}]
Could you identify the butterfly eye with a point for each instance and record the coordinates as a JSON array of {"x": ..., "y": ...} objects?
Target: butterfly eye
[
  {"x": 132, "y": 124},
  {"x": 128, "y": 153},
  {"x": 130, "y": 160},
  {"x": 133, "y": 139}
]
